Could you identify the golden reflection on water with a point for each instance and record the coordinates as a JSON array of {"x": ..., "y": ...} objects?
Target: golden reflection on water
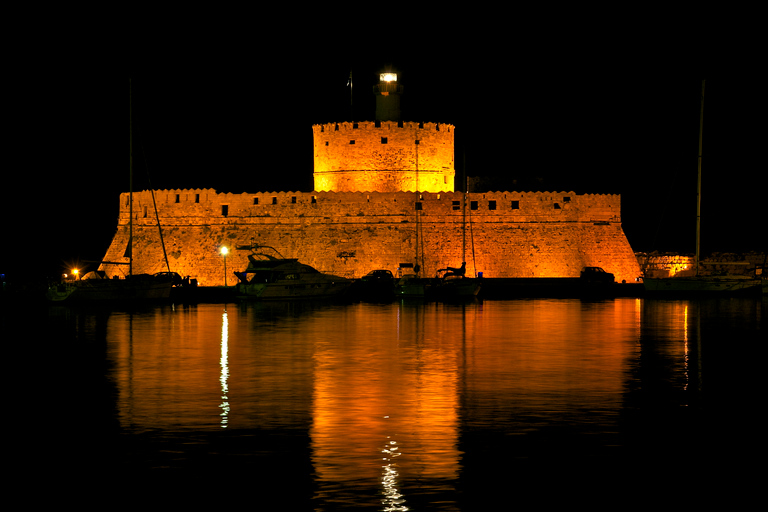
[
  {"x": 539, "y": 360},
  {"x": 388, "y": 376},
  {"x": 384, "y": 391},
  {"x": 674, "y": 326},
  {"x": 167, "y": 369}
]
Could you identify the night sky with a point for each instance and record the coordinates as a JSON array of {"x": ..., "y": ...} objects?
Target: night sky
[{"x": 240, "y": 121}]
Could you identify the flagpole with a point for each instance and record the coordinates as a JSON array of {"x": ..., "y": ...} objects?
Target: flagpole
[{"x": 351, "y": 103}]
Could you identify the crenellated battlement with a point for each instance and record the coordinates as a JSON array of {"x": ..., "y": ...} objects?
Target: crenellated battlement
[{"x": 396, "y": 128}]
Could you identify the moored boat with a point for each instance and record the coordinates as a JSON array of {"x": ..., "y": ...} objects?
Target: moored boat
[
  {"x": 95, "y": 288},
  {"x": 451, "y": 283},
  {"x": 411, "y": 286},
  {"x": 455, "y": 287},
  {"x": 287, "y": 279},
  {"x": 448, "y": 286},
  {"x": 701, "y": 284}
]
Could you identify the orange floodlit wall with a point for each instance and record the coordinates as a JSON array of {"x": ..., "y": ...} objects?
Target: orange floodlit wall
[
  {"x": 502, "y": 234},
  {"x": 384, "y": 156}
]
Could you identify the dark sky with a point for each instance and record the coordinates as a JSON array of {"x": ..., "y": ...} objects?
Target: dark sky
[{"x": 240, "y": 121}]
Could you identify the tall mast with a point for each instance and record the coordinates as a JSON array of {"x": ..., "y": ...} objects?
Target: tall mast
[
  {"x": 130, "y": 177},
  {"x": 464, "y": 220},
  {"x": 698, "y": 185}
]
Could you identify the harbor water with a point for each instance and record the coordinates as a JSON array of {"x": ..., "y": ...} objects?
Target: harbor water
[{"x": 489, "y": 405}]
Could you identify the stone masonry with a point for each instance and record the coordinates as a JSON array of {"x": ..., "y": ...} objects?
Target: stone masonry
[{"x": 501, "y": 234}]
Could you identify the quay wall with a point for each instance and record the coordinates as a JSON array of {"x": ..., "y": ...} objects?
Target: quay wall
[
  {"x": 662, "y": 265},
  {"x": 501, "y": 234}
]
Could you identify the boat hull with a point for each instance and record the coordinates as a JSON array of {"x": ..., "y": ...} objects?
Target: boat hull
[
  {"x": 702, "y": 285},
  {"x": 99, "y": 290},
  {"x": 287, "y": 279},
  {"x": 412, "y": 288},
  {"x": 437, "y": 288},
  {"x": 447, "y": 289},
  {"x": 297, "y": 291}
]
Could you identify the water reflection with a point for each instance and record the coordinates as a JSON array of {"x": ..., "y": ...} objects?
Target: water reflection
[
  {"x": 672, "y": 342},
  {"x": 224, "y": 369},
  {"x": 393, "y": 500},
  {"x": 401, "y": 406},
  {"x": 168, "y": 368},
  {"x": 375, "y": 378}
]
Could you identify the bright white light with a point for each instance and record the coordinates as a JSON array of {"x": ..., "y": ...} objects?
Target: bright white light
[
  {"x": 388, "y": 77},
  {"x": 224, "y": 376},
  {"x": 224, "y": 251},
  {"x": 393, "y": 500}
]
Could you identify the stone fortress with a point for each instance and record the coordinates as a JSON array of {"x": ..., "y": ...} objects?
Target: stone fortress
[{"x": 384, "y": 196}]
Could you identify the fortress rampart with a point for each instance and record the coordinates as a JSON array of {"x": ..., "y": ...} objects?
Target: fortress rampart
[
  {"x": 383, "y": 196},
  {"x": 384, "y": 156},
  {"x": 502, "y": 234}
]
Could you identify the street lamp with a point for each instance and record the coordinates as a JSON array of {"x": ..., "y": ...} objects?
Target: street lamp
[{"x": 224, "y": 252}]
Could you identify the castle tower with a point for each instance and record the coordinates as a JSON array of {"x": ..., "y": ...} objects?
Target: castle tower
[{"x": 385, "y": 155}]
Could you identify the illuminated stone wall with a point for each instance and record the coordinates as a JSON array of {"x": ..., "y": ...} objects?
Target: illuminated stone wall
[
  {"x": 384, "y": 156},
  {"x": 502, "y": 234},
  {"x": 669, "y": 265}
]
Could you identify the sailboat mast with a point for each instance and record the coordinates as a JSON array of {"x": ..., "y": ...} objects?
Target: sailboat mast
[
  {"x": 698, "y": 185},
  {"x": 464, "y": 220},
  {"x": 130, "y": 177}
]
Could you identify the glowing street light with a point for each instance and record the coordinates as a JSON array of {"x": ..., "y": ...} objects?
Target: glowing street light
[{"x": 224, "y": 251}]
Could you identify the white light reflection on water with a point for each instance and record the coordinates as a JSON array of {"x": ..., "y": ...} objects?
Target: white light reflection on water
[
  {"x": 686, "y": 348},
  {"x": 393, "y": 500},
  {"x": 224, "y": 363}
]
